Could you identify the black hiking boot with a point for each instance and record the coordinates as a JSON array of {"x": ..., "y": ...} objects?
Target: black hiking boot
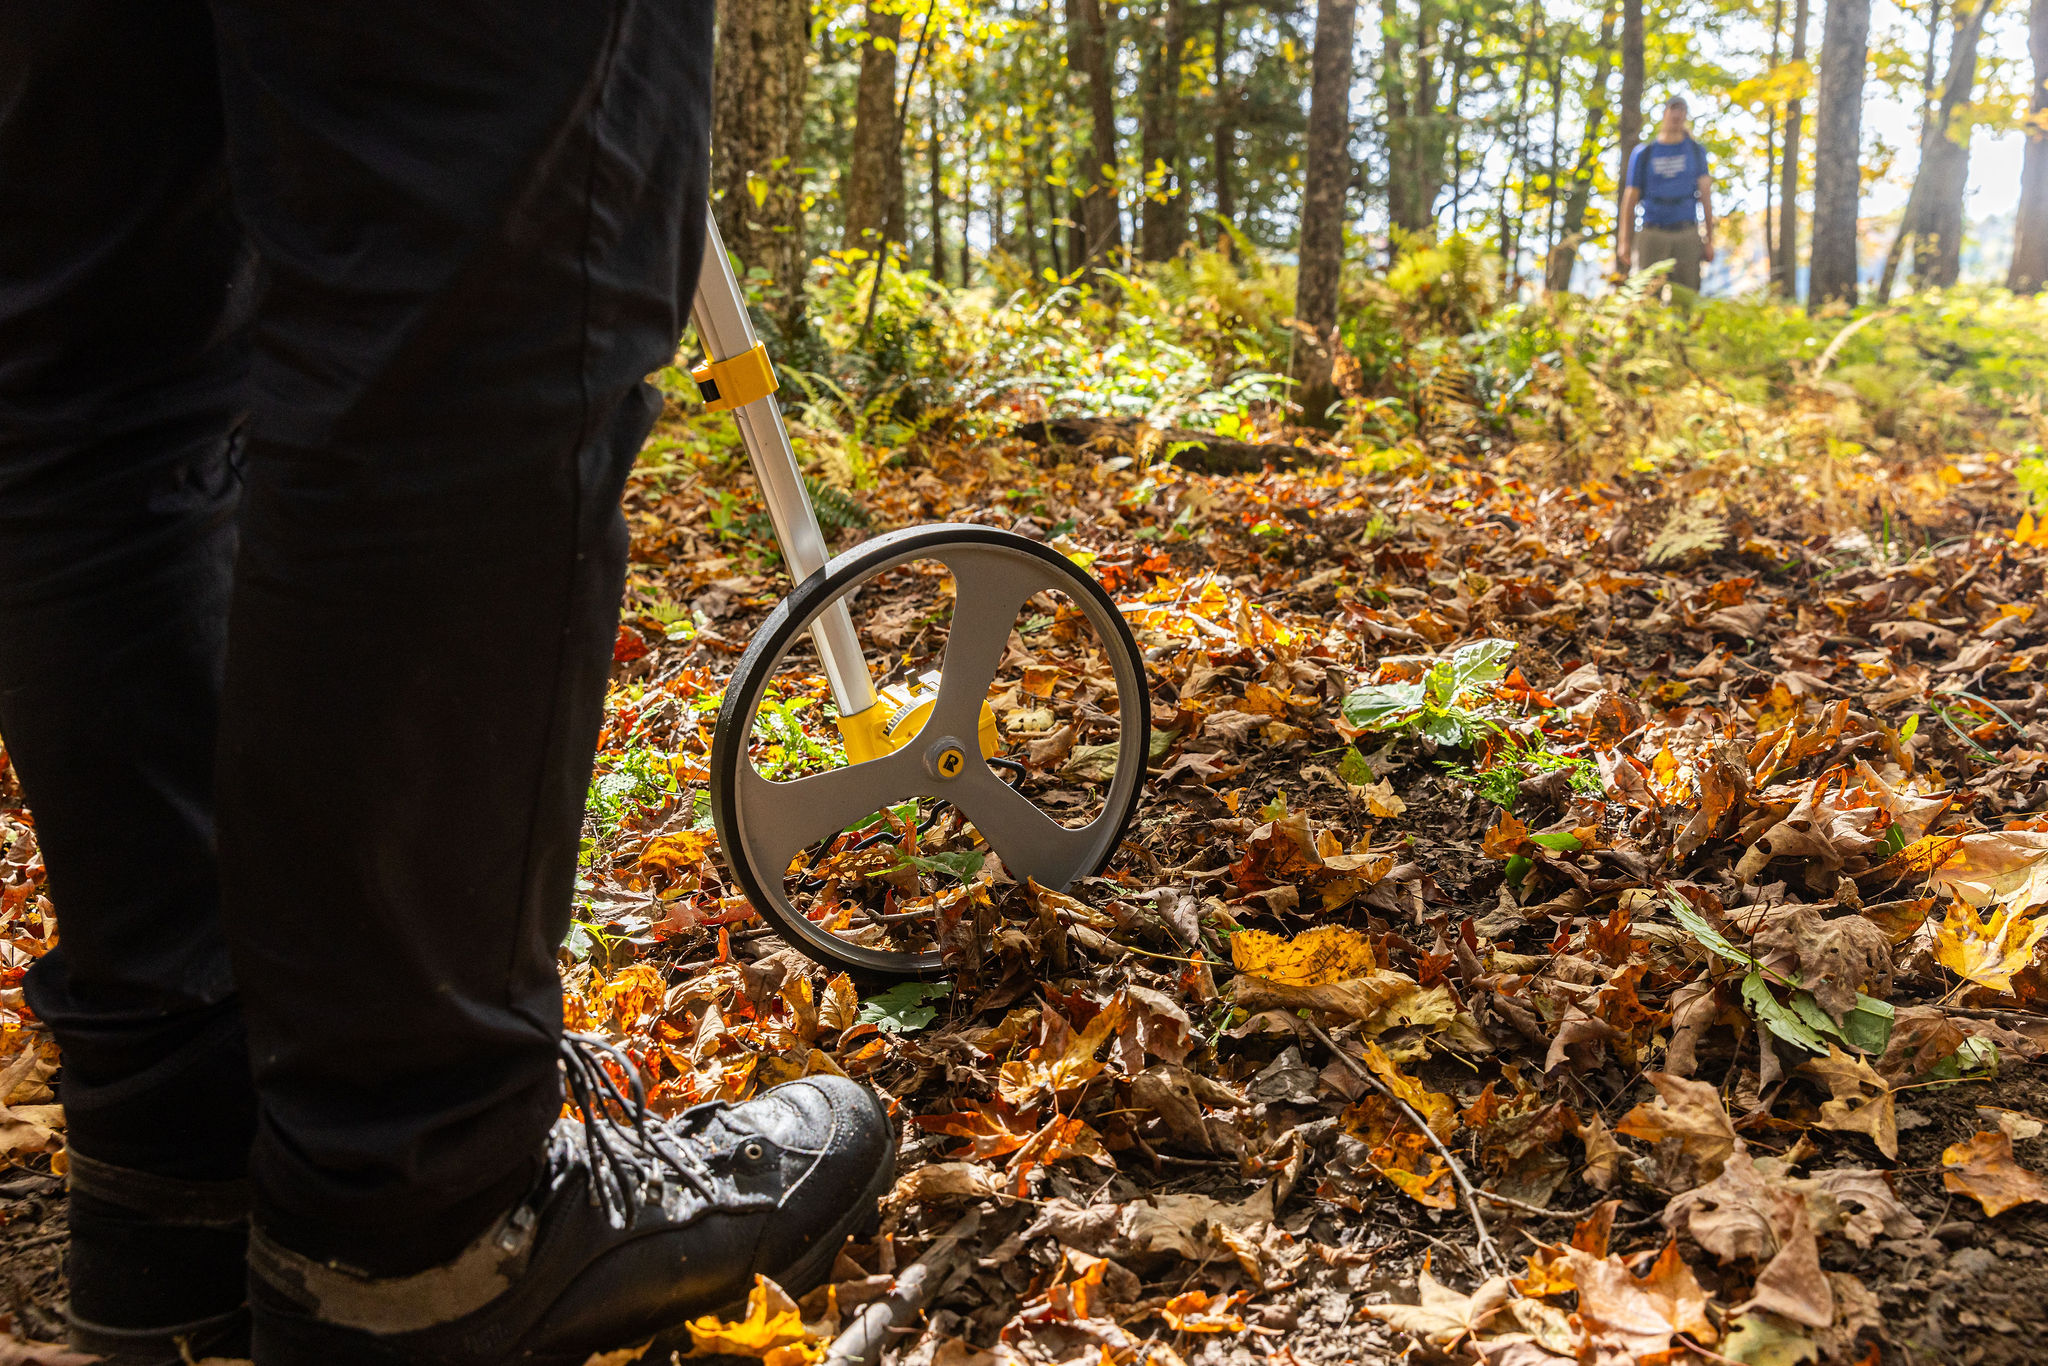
[
  {"x": 635, "y": 1226},
  {"x": 156, "y": 1266}
]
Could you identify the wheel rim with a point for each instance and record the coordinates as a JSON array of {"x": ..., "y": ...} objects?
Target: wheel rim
[{"x": 763, "y": 823}]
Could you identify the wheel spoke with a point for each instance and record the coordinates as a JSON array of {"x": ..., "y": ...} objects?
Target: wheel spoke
[
  {"x": 989, "y": 590},
  {"x": 1030, "y": 843},
  {"x": 784, "y": 817}
]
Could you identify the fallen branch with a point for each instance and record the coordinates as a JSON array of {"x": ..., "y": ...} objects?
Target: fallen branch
[
  {"x": 916, "y": 1285},
  {"x": 1464, "y": 1184},
  {"x": 1204, "y": 452}
]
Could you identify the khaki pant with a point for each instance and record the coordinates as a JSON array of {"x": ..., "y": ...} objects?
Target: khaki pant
[{"x": 1680, "y": 246}]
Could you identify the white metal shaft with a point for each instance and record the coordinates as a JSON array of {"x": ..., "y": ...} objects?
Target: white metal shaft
[{"x": 725, "y": 331}]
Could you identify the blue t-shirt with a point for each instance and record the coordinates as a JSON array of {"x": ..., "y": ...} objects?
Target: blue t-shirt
[{"x": 1668, "y": 176}]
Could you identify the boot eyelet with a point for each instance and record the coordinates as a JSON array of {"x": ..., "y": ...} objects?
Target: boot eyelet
[{"x": 753, "y": 1151}]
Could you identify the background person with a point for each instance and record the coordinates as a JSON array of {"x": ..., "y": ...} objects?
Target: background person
[{"x": 1669, "y": 180}]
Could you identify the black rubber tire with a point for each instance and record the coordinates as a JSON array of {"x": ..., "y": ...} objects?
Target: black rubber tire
[{"x": 793, "y": 616}]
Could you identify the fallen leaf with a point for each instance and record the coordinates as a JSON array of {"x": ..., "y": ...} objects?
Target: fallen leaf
[
  {"x": 1862, "y": 1100},
  {"x": 1689, "y": 1115},
  {"x": 1760, "y": 1339},
  {"x": 771, "y": 1321},
  {"x": 1982, "y": 1168},
  {"x": 1641, "y": 1315},
  {"x": 1318, "y": 957},
  {"x": 1445, "y": 1318},
  {"x": 1987, "y": 950},
  {"x": 1198, "y": 1311}
]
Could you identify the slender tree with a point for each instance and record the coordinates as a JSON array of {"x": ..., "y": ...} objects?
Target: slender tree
[
  {"x": 1771, "y": 151},
  {"x": 1631, "y": 110},
  {"x": 877, "y": 162},
  {"x": 757, "y": 128},
  {"x": 1101, "y": 216},
  {"x": 1785, "y": 269},
  {"x": 1328, "y": 175},
  {"x": 1223, "y": 153},
  {"x": 1933, "y": 216},
  {"x": 1416, "y": 133},
  {"x": 1166, "y": 203},
  {"x": 2030, "y": 241},
  {"x": 1565, "y": 255},
  {"x": 1837, "y": 163}
]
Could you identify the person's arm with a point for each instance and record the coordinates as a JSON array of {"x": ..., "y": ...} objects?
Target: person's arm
[{"x": 1706, "y": 217}]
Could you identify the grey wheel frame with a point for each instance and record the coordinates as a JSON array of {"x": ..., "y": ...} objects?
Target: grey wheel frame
[{"x": 763, "y": 824}]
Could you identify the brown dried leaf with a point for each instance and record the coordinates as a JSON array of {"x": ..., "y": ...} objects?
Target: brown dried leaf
[
  {"x": 1688, "y": 1114},
  {"x": 1982, "y": 1168}
]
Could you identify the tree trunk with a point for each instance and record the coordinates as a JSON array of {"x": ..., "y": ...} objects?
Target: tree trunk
[
  {"x": 1785, "y": 277},
  {"x": 1518, "y": 157},
  {"x": 1837, "y": 160},
  {"x": 2030, "y": 240},
  {"x": 938, "y": 192},
  {"x": 757, "y": 136},
  {"x": 1166, "y": 205},
  {"x": 1327, "y": 177},
  {"x": 1416, "y": 136},
  {"x": 877, "y": 147},
  {"x": 1101, "y": 219},
  {"x": 1771, "y": 153},
  {"x": 1224, "y": 153},
  {"x": 1945, "y": 165},
  {"x": 1631, "y": 112},
  {"x": 1565, "y": 257}
]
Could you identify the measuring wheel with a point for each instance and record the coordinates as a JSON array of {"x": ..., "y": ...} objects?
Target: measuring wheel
[{"x": 863, "y": 839}]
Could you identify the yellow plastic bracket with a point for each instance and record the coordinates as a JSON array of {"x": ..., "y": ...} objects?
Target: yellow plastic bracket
[{"x": 736, "y": 381}]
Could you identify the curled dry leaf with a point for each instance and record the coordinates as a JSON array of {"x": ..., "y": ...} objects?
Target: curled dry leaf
[
  {"x": 1689, "y": 1116},
  {"x": 1982, "y": 1167},
  {"x": 1640, "y": 1315},
  {"x": 771, "y": 1322},
  {"x": 1862, "y": 1101}
]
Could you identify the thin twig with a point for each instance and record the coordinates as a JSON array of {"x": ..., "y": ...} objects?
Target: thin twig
[
  {"x": 1465, "y": 1187},
  {"x": 1538, "y": 1211}
]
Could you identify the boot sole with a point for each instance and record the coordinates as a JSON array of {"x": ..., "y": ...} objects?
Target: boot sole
[{"x": 224, "y": 1335}]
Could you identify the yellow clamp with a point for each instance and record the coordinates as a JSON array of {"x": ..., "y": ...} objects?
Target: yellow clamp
[{"x": 737, "y": 380}]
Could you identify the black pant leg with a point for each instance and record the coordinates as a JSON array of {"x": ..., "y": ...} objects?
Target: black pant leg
[
  {"x": 480, "y": 222},
  {"x": 124, "y": 294}
]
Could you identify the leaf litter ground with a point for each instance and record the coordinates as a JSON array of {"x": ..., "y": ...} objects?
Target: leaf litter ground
[{"x": 1651, "y": 865}]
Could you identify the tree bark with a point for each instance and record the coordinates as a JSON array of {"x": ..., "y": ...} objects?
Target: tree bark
[
  {"x": 1785, "y": 276},
  {"x": 2030, "y": 240},
  {"x": 757, "y": 136},
  {"x": 1166, "y": 205},
  {"x": 1945, "y": 165},
  {"x": 1327, "y": 177},
  {"x": 1565, "y": 257},
  {"x": 1631, "y": 111},
  {"x": 1771, "y": 153},
  {"x": 1101, "y": 217},
  {"x": 877, "y": 160},
  {"x": 938, "y": 190},
  {"x": 1224, "y": 144},
  {"x": 1416, "y": 135},
  {"x": 1837, "y": 162}
]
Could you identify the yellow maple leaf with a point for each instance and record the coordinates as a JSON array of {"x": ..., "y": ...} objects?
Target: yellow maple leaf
[
  {"x": 772, "y": 1323},
  {"x": 1318, "y": 957},
  {"x": 1990, "y": 950}
]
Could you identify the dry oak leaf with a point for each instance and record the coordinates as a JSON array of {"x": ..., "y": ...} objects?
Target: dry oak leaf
[
  {"x": 1987, "y": 951},
  {"x": 1982, "y": 1168},
  {"x": 1863, "y": 1102},
  {"x": 1640, "y": 1316},
  {"x": 772, "y": 1321},
  {"x": 1445, "y": 1318},
  {"x": 1793, "y": 1286},
  {"x": 1689, "y": 1114},
  {"x": 944, "y": 1181}
]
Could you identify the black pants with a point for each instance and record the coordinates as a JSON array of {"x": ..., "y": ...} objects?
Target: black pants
[{"x": 323, "y": 334}]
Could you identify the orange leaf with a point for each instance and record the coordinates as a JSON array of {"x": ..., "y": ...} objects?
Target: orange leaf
[{"x": 1983, "y": 1169}]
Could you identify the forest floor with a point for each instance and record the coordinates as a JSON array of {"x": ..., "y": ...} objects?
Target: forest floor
[{"x": 1686, "y": 924}]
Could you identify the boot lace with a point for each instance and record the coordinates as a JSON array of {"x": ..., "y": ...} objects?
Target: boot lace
[{"x": 632, "y": 1155}]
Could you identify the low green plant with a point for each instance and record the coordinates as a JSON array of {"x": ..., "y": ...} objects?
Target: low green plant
[
  {"x": 905, "y": 1007},
  {"x": 1448, "y": 705}
]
